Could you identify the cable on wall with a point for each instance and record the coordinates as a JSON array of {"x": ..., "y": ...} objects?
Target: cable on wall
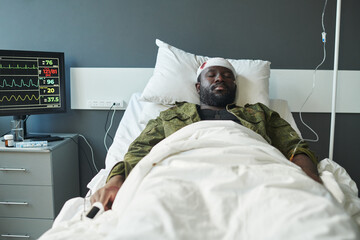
[
  {"x": 83, "y": 151},
  {"x": 92, "y": 152},
  {"x": 111, "y": 122}
]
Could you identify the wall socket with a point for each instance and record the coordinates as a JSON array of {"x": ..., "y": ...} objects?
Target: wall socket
[{"x": 106, "y": 104}]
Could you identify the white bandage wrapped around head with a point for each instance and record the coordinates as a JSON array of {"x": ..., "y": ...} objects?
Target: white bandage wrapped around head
[{"x": 222, "y": 62}]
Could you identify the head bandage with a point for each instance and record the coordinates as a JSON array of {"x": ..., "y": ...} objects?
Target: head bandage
[{"x": 221, "y": 62}]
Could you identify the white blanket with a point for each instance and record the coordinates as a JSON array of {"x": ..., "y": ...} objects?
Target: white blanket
[{"x": 218, "y": 180}]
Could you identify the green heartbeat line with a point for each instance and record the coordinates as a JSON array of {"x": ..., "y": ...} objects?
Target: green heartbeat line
[
  {"x": 19, "y": 97},
  {"x": 17, "y": 67},
  {"x": 22, "y": 83}
]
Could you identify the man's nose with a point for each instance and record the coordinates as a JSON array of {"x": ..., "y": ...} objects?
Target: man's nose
[{"x": 219, "y": 78}]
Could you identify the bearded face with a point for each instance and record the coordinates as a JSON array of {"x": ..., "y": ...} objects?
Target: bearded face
[
  {"x": 216, "y": 98},
  {"x": 217, "y": 87}
]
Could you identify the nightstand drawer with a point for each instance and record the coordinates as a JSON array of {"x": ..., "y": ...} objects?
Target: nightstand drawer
[
  {"x": 26, "y": 201},
  {"x": 25, "y": 168},
  {"x": 17, "y": 228}
]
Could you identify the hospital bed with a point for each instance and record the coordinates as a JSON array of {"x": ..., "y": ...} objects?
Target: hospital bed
[{"x": 213, "y": 180}]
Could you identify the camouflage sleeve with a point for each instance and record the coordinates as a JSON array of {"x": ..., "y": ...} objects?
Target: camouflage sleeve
[
  {"x": 139, "y": 148},
  {"x": 284, "y": 137}
]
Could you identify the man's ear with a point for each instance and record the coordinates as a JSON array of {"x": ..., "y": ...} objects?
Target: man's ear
[{"x": 197, "y": 85}]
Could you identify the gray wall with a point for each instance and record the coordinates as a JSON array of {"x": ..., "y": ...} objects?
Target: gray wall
[{"x": 118, "y": 33}]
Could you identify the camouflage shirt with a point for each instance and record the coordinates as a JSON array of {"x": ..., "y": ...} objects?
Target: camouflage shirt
[{"x": 259, "y": 118}]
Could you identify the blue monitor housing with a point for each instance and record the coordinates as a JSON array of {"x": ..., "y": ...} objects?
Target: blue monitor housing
[{"x": 31, "y": 82}]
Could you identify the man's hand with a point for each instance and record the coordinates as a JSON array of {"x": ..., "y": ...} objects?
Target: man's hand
[
  {"x": 303, "y": 161},
  {"x": 107, "y": 194}
]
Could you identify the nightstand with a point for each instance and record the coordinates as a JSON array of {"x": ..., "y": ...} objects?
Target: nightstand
[{"x": 34, "y": 185}]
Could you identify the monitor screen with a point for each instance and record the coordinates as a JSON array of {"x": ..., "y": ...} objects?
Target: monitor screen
[{"x": 31, "y": 83}]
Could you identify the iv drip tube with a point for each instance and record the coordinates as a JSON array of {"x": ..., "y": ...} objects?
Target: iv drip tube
[{"x": 335, "y": 76}]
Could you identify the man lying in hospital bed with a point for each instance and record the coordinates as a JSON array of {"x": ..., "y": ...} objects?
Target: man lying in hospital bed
[
  {"x": 217, "y": 88},
  {"x": 182, "y": 190}
]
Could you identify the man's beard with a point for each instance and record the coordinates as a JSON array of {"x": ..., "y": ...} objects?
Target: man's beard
[{"x": 209, "y": 97}]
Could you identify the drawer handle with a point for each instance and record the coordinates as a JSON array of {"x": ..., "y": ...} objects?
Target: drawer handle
[
  {"x": 15, "y": 236},
  {"x": 14, "y": 203},
  {"x": 13, "y": 169}
]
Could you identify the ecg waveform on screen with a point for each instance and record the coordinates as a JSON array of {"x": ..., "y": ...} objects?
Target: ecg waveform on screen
[
  {"x": 19, "y": 98},
  {"x": 29, "y": 81},
  {"x": 11, "y": 99},
  {"x": 22, "y": 83},
  {"x": 17, "y": 66}
]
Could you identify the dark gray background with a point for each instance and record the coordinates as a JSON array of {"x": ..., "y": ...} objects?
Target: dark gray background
[{"x": 118, "y": 33}]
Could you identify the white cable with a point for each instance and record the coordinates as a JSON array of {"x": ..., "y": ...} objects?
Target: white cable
[
  {"x": 92, "y": 152},
  {"x": 107, "y": 131},
  {"x": 311, "y": 92},
  {"x": 322, "y": 16},
  {"x": 87, "y": 196},
  {"x": 323, "y": 36}
]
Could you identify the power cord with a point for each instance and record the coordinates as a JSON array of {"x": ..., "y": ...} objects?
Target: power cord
[
  {"x": 92, "y": 152},
  {"x": 105, "y": 127},
  {"x": 83, "y": 151},
  {"x": 111, "y": 122}
]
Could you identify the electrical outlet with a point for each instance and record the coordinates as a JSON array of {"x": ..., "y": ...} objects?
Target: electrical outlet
[{"x": 105, "y": 105}]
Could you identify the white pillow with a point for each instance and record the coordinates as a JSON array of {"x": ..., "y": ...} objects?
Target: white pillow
[{"x": 174, "y": 78}]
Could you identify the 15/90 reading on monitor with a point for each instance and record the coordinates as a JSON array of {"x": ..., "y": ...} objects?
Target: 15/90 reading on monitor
[{"x": 31, "y": 82}]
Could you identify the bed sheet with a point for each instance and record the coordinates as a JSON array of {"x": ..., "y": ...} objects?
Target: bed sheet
[
  {"x": 181, "y": 190},
  {"x": 134, "y": 120},
  {"x": 336, "y": 179}
]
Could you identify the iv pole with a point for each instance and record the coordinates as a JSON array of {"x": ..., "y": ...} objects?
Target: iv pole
[{"x": 335, "y": 76}]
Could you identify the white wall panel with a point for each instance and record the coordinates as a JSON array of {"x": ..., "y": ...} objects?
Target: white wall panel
[
  {"x": 117, "y": 84},
  {"x": 105, "y": 84},
  {"x": 296, "y": 85}
]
